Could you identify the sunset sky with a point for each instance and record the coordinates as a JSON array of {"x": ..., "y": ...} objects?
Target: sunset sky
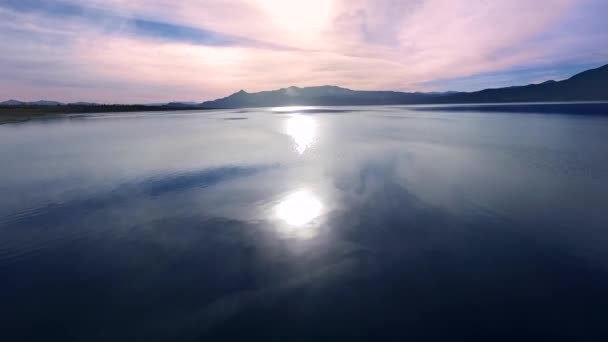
[{"x": 145, "y": 51}]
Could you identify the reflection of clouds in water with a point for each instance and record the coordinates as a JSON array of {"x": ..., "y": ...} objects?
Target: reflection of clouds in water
[{"x": 302, "y": 130}]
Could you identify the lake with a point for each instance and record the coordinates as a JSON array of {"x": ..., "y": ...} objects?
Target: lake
[{"x": 286, "y": 224}]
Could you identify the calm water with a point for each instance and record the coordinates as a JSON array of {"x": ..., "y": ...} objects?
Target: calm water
[{"x": 379, "y": 223}]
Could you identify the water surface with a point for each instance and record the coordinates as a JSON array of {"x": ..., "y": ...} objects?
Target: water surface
[{"x": 377, "y": 223}]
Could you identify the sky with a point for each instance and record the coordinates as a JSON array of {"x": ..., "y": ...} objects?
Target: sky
[{"x": 148, "y": 51}]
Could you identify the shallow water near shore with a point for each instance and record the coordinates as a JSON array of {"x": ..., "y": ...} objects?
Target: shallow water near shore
[{"x": 305, "y": 223}]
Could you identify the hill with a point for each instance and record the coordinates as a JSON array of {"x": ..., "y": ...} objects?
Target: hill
[
  {"x": 318, "y": 96},
  {"x": 590, "y": 85}
]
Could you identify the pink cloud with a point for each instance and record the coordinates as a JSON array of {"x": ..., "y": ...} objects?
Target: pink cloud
[{"x": 362, "y": 44}]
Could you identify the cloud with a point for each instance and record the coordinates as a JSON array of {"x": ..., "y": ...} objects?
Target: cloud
[{"x": 161, "y": 50}]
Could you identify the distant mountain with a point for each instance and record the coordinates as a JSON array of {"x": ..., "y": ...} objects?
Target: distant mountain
[
  {"x": 68, "y": 107},
  {"x": 12, "y": 103},
  {"x": 83, "y": 104},
  {"x": 181, "y": 104},
  {"x": 318, "y": 96},
  {"x": 35, "y": 103},
  {"x": 591, "y": 85}
]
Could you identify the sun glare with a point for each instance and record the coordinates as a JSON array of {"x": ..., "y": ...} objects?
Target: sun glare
[
  {"x": 302, "y": 130},
  {"x": 299, "y": 208}
]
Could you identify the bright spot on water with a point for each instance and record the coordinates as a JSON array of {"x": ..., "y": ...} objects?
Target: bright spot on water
[
  {"x": 299, "y": 208},
  {"x": 302, "y": 130},
  {"x": 290, "y": 109}
]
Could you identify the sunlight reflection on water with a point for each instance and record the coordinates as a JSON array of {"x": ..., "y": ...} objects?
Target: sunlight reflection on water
[
  {"x": 302, "y": 130},
  {"x": 290, "y": 109},
  {"x": 299, "y": 210},
  {"x": 292, "y": 224}
]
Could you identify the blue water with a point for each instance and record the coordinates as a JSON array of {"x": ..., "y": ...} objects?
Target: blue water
[{"x": 363, "y": 223}]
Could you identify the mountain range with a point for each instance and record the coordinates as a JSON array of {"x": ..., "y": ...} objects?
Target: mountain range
[
  {"x": 35, "y": 103},
  {"x": 590, "y": 85}
]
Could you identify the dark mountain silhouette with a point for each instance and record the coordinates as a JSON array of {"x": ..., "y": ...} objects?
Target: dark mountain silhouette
[
  {"x": 180, "y": 104},
  {"x": 83, "y": 104},
  {"x": 591, "y": 85},
  {"x": 35, "y": 103},
  {"x": 319, "y": 96},
  {"x": 12, "y": 103}
]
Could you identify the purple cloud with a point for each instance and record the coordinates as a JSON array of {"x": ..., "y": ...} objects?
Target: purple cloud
[{"x": 361, "y": 44}]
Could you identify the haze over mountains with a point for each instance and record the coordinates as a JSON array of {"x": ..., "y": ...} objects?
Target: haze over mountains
[{"x": 590, "y": 85}]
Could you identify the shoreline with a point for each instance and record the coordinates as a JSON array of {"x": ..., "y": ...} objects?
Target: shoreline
[{"x": 17, "y": 114}]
